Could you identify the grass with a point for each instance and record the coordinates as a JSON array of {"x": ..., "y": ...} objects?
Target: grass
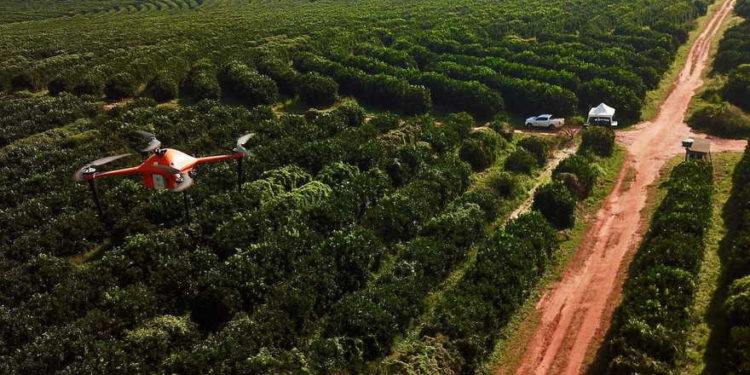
[
  {"x": 705, "y": 309},
  {"x": 509, "y": 348},
  {"x": 656, "y": 97}
]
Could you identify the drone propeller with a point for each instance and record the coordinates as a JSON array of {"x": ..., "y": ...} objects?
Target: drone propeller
[
  {"x": 240, "y": 149},
  {"x": 91, "y": 167},
  {"x": 186, "y": 183},
  {"x": 185, "y": 180},
  {"x": 169, "y": 169},
  {"x": 153, "y": 143}
]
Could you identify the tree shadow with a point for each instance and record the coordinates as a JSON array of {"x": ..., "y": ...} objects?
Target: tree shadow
[{"x": 713, "y": 356}]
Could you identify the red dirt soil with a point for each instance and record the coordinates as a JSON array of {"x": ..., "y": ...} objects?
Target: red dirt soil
[{"x": 574, "y": 314}]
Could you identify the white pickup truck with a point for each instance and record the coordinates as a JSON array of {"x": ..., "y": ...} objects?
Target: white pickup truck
[{"x": 545, "y": 121}]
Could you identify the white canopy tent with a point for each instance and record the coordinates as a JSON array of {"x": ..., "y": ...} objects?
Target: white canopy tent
[{"x": 602, "y": 115}]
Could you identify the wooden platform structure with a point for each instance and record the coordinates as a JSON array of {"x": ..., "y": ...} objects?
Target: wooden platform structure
[{"x": 698, "y": 149}]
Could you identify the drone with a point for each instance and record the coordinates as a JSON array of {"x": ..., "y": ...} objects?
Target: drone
[{"x": 165, "y": 168}]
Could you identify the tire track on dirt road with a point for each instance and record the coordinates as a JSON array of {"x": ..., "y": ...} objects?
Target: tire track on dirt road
[{"x": 575, "y": 312}]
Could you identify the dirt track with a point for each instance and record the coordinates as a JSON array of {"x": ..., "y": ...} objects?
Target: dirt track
[
  {"x": 558, "y": 156},
  {"x": 574, "y": 313}
]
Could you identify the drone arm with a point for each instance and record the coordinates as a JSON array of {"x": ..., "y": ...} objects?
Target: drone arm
[
  {"x": 117, "y": 172},
  {"x": 211, "y": 159}
]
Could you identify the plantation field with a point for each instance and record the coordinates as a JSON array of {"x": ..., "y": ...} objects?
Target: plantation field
[
  {"x": 360, "y": 241},
  {"x": 483, "y": 57},
  {"x": 321, "y": 260}
]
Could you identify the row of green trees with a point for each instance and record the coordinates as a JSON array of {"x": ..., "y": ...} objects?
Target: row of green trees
[
  {"x": 734, "y": 46},
  {"x": 398, "y": 296},
  {"x": 22, "y": 116},
  {"x": 234, "y": 81},
  {"x": 465, "y": 323},
  {"x": 361, "y": 218},
  {"x": 536, "y": 65},
  {"x": 724, "y": 115},
  {"x": 378, "y": 89},
  {"x": 650, "y": 327},
  {"x": 337, "y": 213}
]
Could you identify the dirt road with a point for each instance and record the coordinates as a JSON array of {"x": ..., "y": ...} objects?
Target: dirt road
[{"x": 575, "y": 313}]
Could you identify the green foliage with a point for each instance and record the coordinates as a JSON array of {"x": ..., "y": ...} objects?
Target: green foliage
[
  {"x": 651, "y": 325},
  {"x": 395, "y": 217},
  {"x": 521, "y": 161},
  {"x": 474, "y": 152},
  {"x": 22, "y": 117},
  {"x": 733, "y": 46},
  {"x": 579, "y": 175},
  {"x": 351, "y": 112},
  {"x": 23, "y": 81},
  {"x": 737, "y": 304},
  {"x": 385, "y": 122},
  {"x": 162, "y": 88},
  {"x": 485, "y": 199},
  {"x": 599, "y": 140},
  {"x": 317, "y": 90},
  {"x": 721, "y": 119},
  {"x": 56, "y": 86},
  {"x": 460, "y": 225},
  {"x": 737, "y": 88},
  {"x": 287, "y": 275},
  {"x": 89, "y": 84},
  {"x": 503, "y": 184},
  {"x": 428, "y": 356},
  {"x": 508, "y": 263},
  {"x": 281, "y": 72},
  {"x": 247, "y": 85},
  {"x": 503, "y": 128},
  {"x": 202, "y": 82},
  {"x": 555, "y": 202},
  {"x": 538, "y": 146},
  {"x": 462, "y": 123},
  {"x": 120, "y": 86},
  {"x": 378, "y": 89},
  {"x": 475, "y": 97}
]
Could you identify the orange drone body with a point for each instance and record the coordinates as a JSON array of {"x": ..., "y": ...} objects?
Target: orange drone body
[{"x": 165, "y": 169}]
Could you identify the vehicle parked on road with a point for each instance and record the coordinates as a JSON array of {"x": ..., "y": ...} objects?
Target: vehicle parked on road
[{"x": 545, "y": 121}]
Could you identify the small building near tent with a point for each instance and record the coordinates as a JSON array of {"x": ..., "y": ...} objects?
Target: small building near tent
[
  {"x": 697, "y": 149},
  {"x": 601, "y": 115}
]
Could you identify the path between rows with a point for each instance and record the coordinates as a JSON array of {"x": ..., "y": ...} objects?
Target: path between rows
[
  {"x": 543, "y": 178},
  {"x": 574, "y": 313}
]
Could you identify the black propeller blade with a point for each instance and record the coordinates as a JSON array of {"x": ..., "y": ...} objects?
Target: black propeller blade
[
  {"x": 91, "y": 167},
  {"x": 153, "y": 143}
]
